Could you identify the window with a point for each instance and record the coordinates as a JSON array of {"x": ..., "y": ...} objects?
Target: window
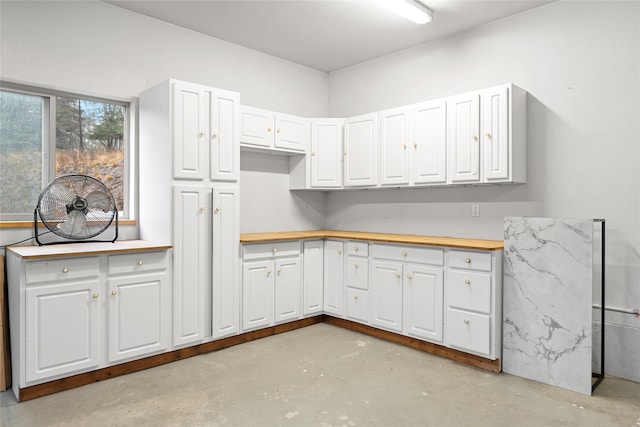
[{"x": 45, "y": 134}]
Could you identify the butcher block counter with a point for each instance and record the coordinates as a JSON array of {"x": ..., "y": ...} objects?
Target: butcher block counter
[{"x": 452, "y": 242}]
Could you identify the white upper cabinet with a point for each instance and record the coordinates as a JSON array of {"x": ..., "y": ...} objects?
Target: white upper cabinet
[
  {"x": 395, "y": 134},
  {"x": 274, "y": 131},
  {"x": 326, "y": 153},
  {"x": 504, "y": 134},
  {"x": 190, "y": 130},
  {"x": 225, "y": 135},
  {"x": 463, "y": 130},
  {"x": 486, "y": 136},
  {"x": 205, "y": 132},
  {"x": 360, "y": 151},
  {"x": 429, "y": 147}
]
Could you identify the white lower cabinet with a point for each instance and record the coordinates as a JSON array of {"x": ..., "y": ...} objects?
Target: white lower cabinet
[
  {"x": 72, "y": 314},
  {"x": 334, "y": 277},
  {"x": 271, "y": 284},
  {"x": 313, "y": 280},
  {"x": 62, "y": 329},
  {"x": 357, "y": 282},
  {"x": 407, "y": 290},
  {"x": 474, "y": 302},
  {"x": 138, "y": 300}
]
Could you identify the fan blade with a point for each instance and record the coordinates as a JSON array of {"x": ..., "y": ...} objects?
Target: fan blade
[
  {"x": 74, "y": 225},
  {"x": 98, "y": 200}
]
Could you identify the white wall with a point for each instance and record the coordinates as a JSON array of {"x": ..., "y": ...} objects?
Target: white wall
[
  {"x": 579, "y": 61},
  {"x": 98, "y": 49}
]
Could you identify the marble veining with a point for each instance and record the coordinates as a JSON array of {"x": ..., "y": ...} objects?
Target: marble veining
[{"x": 547, "y": 300}]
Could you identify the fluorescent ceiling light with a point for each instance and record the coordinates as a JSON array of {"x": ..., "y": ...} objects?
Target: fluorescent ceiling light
[{"x": 410, "y": 9}]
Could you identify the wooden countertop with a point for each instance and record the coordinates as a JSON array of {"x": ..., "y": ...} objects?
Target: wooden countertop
[
  {"x": 86, "y": 248},
  {"x": 454, "y": 242}
]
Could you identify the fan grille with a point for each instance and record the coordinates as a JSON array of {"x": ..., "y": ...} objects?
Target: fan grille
[{"x": 76, "y": 207}]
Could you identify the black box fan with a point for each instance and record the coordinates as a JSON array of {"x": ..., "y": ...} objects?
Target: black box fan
[{"x": 76, "y": 207}]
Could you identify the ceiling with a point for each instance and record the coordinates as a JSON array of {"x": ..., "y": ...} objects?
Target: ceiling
[{"x": 323, "y": 34}]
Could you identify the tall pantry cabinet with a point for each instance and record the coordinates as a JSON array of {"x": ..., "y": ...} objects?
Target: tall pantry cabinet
[{"x": 189, "y": 198}]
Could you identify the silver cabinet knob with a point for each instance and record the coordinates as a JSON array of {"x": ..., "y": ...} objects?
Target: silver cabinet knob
[
  {"x": 268, "y": 129},
  {"x": 114, "y": 293},
  {"x": 96, "y": 296},
  {"x": 278, "y": 130},
  {"x": 275, "y": 250},
  {"x": 356, "y": 249},
  {"x": 404, "y": 146},
  {"x": 140, "y": 262},
  {"x": 202, "y": 209},
  {"x": 409, "y": 276},
  {"x": 466, "y": 322},
  {"x": 201, "y": 133},
  {"x": 339, "y": 252},
  {"x": 355, "y": 265},
  {"x": 467, "y": 281},
  {"x": 475, "y": 137},
  {"x": 214, "y": 136},
  {"x": 467, "y": 260},
  {"x": 217, "y": 210},
  {"x": 397, "y": 275},
  {"x": 404, "y": 253},
  {"x": 355, "y": 297},
  {"x": 415, "y": 146},
  {"x": 488, "y": 134},
  {"x": 268, "y": 272},
  {"x": 313, "y": 153},
  {"x": 279, "y": 270},
  {"x": 65, "y": 270}
]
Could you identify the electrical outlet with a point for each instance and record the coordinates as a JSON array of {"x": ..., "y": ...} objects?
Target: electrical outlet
[{"x": 475, "y": 209}]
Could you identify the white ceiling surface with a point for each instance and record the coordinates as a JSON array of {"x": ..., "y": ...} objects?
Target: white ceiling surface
[{"x": 323, "y": 34}]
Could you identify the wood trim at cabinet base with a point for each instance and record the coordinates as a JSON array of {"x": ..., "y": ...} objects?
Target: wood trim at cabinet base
[
  {"x": 78, "y": 380},
  {"x": 438, "y": 350}
]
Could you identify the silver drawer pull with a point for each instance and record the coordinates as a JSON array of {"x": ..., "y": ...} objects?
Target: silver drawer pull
[
  {"x": 114, "y": 293},
  {"x": 467, "y": 281},
  {"x": 404, "y": 254},
  {"x": 467, "y": 260},
  {"x": 275, "y": 250},
  {"x": 466, "y": 322},
  {"x": 140, "y": 262},
  {"x": 339, "y": 252},
  {"x": 65, "y": 270},
  {"x": 355, "y": 265},
  {"x": 355, "y": 297},
  {"x": 356, "y": 249},
  {"x": 96, "y": 296},
  {"x": 409, "y": 276}
]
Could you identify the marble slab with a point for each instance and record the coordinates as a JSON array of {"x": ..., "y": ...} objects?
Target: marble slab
[{"x": 547, "y": 301}]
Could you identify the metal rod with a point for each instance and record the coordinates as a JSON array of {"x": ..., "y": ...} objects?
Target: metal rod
[{"x": 635, "y": 311}]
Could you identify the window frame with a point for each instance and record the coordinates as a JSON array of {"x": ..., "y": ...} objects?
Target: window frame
[{"x": 49, "y": 96}]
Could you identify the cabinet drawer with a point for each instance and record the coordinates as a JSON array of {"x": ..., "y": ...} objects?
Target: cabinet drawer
[
  {"x": 357, "y": 305},
  {"x": 62, "y": 269},
  {"x": 356, "y": 248},
  {"x": 357, "y": 271},
  {"x": 470, "y": 260},
  {"x": 469, "y": 291},
  {"x": 408, "y": 253},
  {"x": 271, "y": 250},
  {"x": 469, "y": 331},
  {"x": 138, "y": 262}
]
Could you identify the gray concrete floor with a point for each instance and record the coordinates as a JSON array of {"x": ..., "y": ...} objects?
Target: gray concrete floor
[{"x": 324, "y": 375}]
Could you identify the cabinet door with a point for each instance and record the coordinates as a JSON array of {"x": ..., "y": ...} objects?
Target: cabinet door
[
  {"x": 333, "y": 277},
  {"x": 62, "y": 329},
  {"x": 256, "y": 127},
  {"x": 225, "y": 135},
  {"x": 429, "y": 149},
  {"x": 190, "y": 119},
  {"x": 312, "y": 289},
  {"x": 192, "y": 254},
  {"x": 138, "y": 315},
  {"x": 495, "y": 134},
  {"x": 386, "y": 295},
  {"x": 292, "y": 133},
  {"x": 423, "y": 302},
  {"x": 357, "y": 305},
  {"x": 394, "y": 146},
  {"x": 326, "y": 153},
  {"x": 361, "y": 151},
  {"x": 287, "y": 289},
  {"x": 357, "y": 272},
  {"x": 463, "y": 126},
  {"x": 257, "y": 294},
  {"x": 225, "y": 302}
]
